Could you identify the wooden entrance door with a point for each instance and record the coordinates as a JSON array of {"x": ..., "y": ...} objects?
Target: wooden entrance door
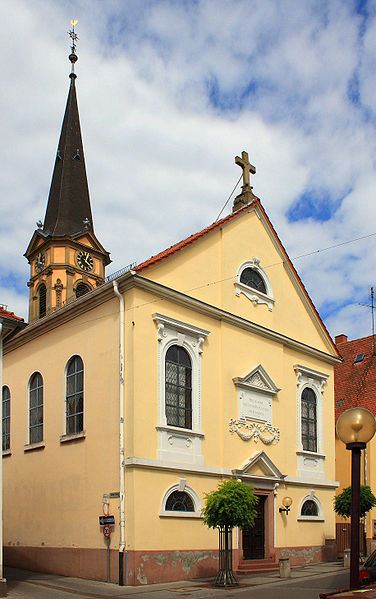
[{"x": 254, "y": 538}]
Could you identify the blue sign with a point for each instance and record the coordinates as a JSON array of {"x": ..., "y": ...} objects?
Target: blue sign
[{"x": 109, "y": 520}]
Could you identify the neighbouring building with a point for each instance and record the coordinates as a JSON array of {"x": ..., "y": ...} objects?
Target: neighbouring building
[
  {"x": 355, "y": 385},
  {"x": 134, "y": 397}
]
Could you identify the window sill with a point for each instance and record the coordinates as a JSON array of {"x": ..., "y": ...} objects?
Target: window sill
[
  {"x": 34, "y": 446},
  {"x": 310, "y": 519},
  {"x": 178, "y": 429},
  {"x": 165, "y": 514},
  {"x": 72, "y": 437},
  {"x": 313, "y": 454},
  {"x": 6, "y": 452}
]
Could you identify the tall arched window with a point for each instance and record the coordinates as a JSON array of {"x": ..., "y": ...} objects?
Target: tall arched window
[
  {"x": 42, "y": 300},
  {"x": 178, "y": 387},
  {"x": 6, "y": 418},
  {"x": 309, "y": 420},
  {"x": 74, "y": 398},
  {"x": 36, "y": 408}
]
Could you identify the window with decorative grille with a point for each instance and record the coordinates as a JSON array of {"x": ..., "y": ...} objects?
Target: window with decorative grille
[
  {"x": 42, "y": 301},
  {"x": 252, "y": 278},
  {"x": 6, "y": 418},
  {"x": 75, "y": 396},
  {"x": 178, "y": 387},
  {"x": 309, "y": 420},
  {"x": 179, "y": 501},
  {"x": 309, "y": 508},
  {"x": 36, "y": 408}
]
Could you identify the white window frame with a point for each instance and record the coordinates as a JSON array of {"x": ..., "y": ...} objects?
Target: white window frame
[
  {"x": 256, "y": 297},
  {"x": 181, "y": 486},
  {"x": 310, "y": 463},
  {"x": 320, "y": 512},
  {"x": 176, "y": 443}
]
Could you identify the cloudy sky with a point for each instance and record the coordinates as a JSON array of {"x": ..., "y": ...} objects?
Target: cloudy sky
[{"x": 169, "y": 92}]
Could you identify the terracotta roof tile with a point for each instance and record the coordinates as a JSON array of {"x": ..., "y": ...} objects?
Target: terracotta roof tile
[
  {"x": 355, "y": 384},
  {"x": 11, "y": 315}
]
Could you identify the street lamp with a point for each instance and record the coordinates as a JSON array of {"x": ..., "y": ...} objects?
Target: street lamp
[{"x": 355, "y": 427}]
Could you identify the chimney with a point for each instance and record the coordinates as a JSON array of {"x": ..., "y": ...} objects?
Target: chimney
[{"x": 340, "y": 339}]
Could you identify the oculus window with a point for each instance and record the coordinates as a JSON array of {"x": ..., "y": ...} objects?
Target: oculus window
[{"x": 253, "y": 282}]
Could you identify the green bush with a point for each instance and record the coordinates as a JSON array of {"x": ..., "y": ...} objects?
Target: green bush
[
  {"x": 342, "y": 502},
  {"x": 232, "y": 504}
]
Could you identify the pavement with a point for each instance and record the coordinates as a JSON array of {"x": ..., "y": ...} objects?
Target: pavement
[{"x": 323, "y": 580}]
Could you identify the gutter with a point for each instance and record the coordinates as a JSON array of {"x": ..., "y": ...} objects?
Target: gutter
[{"x": 121, "y": 435}]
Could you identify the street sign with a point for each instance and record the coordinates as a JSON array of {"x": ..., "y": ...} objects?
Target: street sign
[
  {"x": 109, "y": 520},
  {"x": 107, "y": 531}
]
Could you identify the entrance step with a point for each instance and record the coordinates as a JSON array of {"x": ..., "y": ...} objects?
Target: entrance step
[{"x": 255, "y": 566}]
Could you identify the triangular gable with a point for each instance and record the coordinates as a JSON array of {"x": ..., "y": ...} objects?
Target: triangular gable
[
  {"x": 259, "y": 461},
  {"x": 257, "y": 379},
  {"x": 256, "y": 206}
]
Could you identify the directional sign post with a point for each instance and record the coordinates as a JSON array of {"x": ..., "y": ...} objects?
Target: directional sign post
[
  {"x": 109, "y": 520},
  {"x": 106, "y": 522}
]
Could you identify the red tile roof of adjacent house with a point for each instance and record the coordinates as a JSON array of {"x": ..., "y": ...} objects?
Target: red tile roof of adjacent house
[
  {"x": 11, "y": 315},
  {"x": 355, "y": 384},
  {"x": 174, "y": 249}
]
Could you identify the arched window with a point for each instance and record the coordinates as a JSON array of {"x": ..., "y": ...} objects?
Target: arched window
[
  {"x": 36, "y": 408},
  {"x": 6, "y": 418},
  {"x": 42, "y": 300},
  {"x": 309, "y": 508},
  {"x": 74, "y": 396},
  {"x": 179, "y": 501},
  {"x": 178, "y": 387},
  {"x": 252, "y": 278},
  {"x": 309, "y": 420},
  {"x": 81, "y": 289}
]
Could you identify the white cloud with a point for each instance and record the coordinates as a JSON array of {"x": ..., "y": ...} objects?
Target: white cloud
[{"x": 157, "y": 144}]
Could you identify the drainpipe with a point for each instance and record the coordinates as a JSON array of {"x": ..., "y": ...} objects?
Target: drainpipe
[{"x": 121, "y": 436}]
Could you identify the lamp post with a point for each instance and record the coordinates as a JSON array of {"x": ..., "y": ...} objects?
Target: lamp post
[{"x": 355, "y": 427}]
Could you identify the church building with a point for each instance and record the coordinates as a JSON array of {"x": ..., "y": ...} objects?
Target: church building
[{"x": 131, "y": 397}]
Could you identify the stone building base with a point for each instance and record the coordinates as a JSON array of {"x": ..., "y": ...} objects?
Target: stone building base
[{"x": 146, "y": 567}]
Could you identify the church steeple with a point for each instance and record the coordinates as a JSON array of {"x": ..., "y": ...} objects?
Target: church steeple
[
  {"x": 69, "y": 202},
  {"x": 66, "y": 258}
]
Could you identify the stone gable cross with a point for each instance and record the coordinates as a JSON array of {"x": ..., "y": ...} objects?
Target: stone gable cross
[{"x": 246, "y": 166}]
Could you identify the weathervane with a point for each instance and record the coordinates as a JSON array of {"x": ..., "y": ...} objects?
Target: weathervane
[{"x": 74, "y": 37}]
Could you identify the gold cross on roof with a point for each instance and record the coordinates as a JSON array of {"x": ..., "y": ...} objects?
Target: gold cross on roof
[{"x": 246, "y": 166}]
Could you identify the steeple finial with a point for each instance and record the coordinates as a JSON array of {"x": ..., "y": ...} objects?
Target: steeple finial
[{"x": 73, "y": 35}]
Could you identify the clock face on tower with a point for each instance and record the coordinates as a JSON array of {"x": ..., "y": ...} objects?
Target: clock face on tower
[
  {"x": 85, "y": 260},
  {"x": 40, "y": 261}
]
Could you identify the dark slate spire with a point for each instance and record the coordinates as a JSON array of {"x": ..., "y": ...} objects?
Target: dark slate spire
[{"x": 68, "y": 209}]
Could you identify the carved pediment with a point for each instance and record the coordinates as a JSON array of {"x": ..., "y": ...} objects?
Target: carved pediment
[
  {"x": 259, "y": 463},
  {"x": 257, "y": 379}
]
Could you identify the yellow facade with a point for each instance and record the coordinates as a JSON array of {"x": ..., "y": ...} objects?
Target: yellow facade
[{"x": 251, "y": 357}]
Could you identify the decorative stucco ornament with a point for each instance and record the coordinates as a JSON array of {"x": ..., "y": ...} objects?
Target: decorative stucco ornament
[{"x": 256, "y": 431}]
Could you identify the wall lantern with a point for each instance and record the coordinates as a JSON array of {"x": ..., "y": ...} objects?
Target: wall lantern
[
  {"x": 286, "y": 502},
  {"x": 355, "y": 427}
]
